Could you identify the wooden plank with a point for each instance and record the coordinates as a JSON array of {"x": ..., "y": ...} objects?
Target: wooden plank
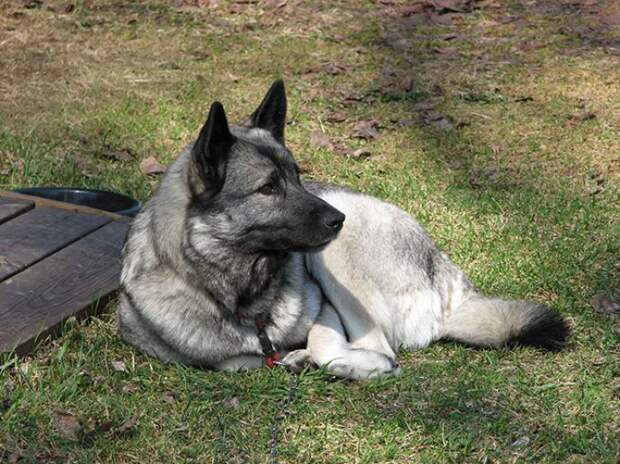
[
  {"x": 11, "y": 207},
  {"x": 57, "y": 204},
  {"x": 36, "y": 301},
  {"x": 32, "y": 236}
]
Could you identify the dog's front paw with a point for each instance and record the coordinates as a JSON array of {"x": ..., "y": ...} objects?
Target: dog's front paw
[
  {"x": 297, "y": 360},
  {"x": 363, "y": 364}
]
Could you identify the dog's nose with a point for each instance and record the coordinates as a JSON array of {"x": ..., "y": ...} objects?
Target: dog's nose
[{"x": 334, "y": 221}]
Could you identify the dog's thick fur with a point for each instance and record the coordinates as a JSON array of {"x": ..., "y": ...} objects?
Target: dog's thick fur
[{"x": 232, "y": 232}]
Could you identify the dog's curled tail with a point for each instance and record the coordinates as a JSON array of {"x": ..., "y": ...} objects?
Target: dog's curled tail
[{"x": 495, "y": 322}]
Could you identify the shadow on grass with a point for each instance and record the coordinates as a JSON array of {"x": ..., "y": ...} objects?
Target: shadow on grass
[{"x": 585, "y": 258}]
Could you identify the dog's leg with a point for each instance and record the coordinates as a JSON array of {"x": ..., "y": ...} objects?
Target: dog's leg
[
  {"x": 330, "y": 349},
  {"x": 166, "y": 318}
]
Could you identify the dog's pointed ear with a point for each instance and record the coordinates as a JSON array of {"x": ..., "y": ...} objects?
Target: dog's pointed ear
[
  {"x": 212, "y": 147},
  {"x": 271, "y": 113}
]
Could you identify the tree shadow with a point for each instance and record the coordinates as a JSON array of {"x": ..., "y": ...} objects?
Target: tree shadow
[{"x": 488, "y": 42}]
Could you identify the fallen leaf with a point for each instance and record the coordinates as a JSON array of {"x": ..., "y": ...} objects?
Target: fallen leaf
[
  {"x": 354, "y": 97},
  {"x": 319, "y": 138},
  {"x": 15, "y": 456},
  {"x": 416, "y": 8},
  {"x": 450, "y": 37},
  {"x": 128, "y": 425},
  {"x": 169, "y": 397},
  {"x": 68, "y": 425},
  {"x": 150, "y": 166},
  {"x": 122, "y": 154},
  {"x": 378, "y": 158},
  {"x": 201, "y": 55},
  {"x": 333, "y": 69},
  {"x": 580, "y": 117},
  {"x": 521, "y": 442},
  {"x": 443, "y": 19},
  {"x": 119, "y": 366},
  {"x": 360, "y": 153},
  {"x": 130, "y": 387},
  {"x": 32, "y": 3},
  {"x": 366, "y": 130},
  {"x": 5, "y": 405},
  {"x": 445, "y": 50},
  {"x": 336, "y": 117},
  {"x": 609, "y": 19},
  {"x": 524, "y": 98},
  {"x": 407, "y": 83},
  {"x": 68, "y": 8},
  {"x": 488, "y": 23},
  {"x": 454, "y": 6},
  {"x": 606, "y": 304},
  {"x": 232, "y": 402},
  {"x": 424, "y": 105},
  {"x": 24, "y": 367},
  {"x": 435, "y": 119}
]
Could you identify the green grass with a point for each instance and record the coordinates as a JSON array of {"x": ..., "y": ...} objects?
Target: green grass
[{"x": 508, "y": 194}]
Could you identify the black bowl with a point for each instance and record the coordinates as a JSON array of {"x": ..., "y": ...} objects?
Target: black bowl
[{"x": 100, "y": 199}]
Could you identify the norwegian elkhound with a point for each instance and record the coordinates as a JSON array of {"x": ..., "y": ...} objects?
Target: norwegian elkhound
[{"x": 236, "y": 259}]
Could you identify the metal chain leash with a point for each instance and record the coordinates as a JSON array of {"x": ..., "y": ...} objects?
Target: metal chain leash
[{"x": 281, "y": 414}]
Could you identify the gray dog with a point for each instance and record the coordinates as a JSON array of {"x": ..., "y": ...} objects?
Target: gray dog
[{"x": 236, "y": 260}]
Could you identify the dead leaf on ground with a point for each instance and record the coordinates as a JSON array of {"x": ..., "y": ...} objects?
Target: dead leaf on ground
[
  {"x": 169, "y": 397},
  {"x": 523, "y": 99},
  {"x": 454, "y": 6},
  {"x": 150, "y": 166},
  {"x": 407, "y": 83},
  {"x": 122, "y": 154},
  {"x": 353, "y": 97},
  {"x": 445, "y": 50},
  {"x": 16, "y": 456},
  {"x": 99, "y": 428},
  {"x": 437, "y": 120},
  {"x": 5, "y": 405},
  {"x": 605, "y": 304},
  {"x": 488, "y": 23},
  {"x": 425, "y": 105},
  {"x": 366, "y": 130},
  {"x": 333, "y": 69},
  {"x": 119, "y": 366},
  {"x": 521, "y": 442},
  {"x": 336, "y": 117},
  {"x": 409, "y": 10},
  {"x": 32, "y": 4},
  {"x": 577, "y": 118},
  {"x": 128, "y": 425},
  {"x": 319, "y": 138},
  {"x": 130, "y": 388},
  {"x": 360, "y": 153},
  {"x": 232, "y": 402},
  {"x": 68, "y": 425}
]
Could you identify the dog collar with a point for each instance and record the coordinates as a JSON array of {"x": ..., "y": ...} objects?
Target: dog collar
[{"x": 270, "y": 355}]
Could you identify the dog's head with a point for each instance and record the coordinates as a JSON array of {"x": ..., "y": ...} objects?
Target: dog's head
[{"x": 246, "y": 188}]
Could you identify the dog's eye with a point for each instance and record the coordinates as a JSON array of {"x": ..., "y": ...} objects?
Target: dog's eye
[{"x": 268, "y": 189}]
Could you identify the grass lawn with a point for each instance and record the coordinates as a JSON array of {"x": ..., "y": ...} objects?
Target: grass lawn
[{"x": 498, "y": 127}]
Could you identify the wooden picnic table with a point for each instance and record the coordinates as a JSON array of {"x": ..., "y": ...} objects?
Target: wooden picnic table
[{"x": 57, "y": 260}]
